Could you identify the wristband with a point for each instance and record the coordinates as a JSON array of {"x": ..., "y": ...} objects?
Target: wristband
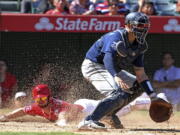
[{"x": 147, "y": 87}]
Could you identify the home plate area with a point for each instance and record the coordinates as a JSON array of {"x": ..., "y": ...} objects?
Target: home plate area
[{"x": 135, "y": 123}]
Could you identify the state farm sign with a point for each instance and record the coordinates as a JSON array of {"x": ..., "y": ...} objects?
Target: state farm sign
[{"x": 77, "y": 24}]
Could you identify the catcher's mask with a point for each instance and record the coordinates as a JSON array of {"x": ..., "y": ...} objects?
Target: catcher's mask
[{"x": 140, "y": 25}]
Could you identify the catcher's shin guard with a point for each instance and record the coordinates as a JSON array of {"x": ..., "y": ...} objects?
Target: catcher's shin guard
[
  {"x": 137, "y": 91},
  {"x": 118, "y": 99}
]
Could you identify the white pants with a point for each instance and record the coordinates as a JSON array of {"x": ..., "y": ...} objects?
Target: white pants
[
  {"x": 139, "y": 103},
  {"x": 101, "y": 79}
]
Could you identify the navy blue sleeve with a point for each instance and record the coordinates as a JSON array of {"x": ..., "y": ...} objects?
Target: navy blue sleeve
[
  {"x": 109, "y": 63},
  {"x": 109, "y": 41},
  {"x": 139, "y": 61}
]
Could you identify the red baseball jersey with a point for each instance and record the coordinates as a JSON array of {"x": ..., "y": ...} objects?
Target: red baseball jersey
[
  {"x": 57, "y": 106},
  {"x": 7, "y": 86}
]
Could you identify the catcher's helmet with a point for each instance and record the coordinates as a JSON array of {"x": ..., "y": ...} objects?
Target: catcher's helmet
[
  {"x": 139, "y": 25},
  {"x": 41, "y": 90}
]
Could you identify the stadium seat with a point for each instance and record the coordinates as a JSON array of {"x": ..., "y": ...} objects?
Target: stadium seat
[
  {"x": 165, "y": 7},
  {"x": 131, "y": 3},
  {"x": 10, "y": 5}
]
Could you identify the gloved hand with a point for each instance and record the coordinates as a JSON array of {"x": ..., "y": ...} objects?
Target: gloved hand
[{"x": 160, "y": 108}]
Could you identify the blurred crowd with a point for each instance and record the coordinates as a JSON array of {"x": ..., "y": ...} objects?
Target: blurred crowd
[{"x": 101, "y": 7}]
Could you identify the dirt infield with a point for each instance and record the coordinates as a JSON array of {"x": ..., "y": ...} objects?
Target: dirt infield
[{"x": 136, "y": 123}]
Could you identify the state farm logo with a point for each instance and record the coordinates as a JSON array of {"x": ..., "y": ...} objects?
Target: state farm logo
[
  {"x": 172, "y": 25},
  {"x": 44, "y": 24},
  {"x": 76, "y": 24}
]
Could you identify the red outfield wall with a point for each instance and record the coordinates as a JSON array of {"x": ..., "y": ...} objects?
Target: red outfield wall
[{"x": 47, "y": 23}]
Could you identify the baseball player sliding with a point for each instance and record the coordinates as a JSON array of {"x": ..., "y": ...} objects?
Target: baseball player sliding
[
  {"x": 60, "y": 111},
  {"x": 44, "y": 105}
]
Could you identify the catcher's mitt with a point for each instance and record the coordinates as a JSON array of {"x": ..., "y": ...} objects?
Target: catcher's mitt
[{"x": 160, "y": 110}]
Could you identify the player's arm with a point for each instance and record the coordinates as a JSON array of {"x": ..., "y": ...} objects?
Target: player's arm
[
  {"x": 143, "y": 80},
  {"x": 109, "y": 63},
  {"x": 141, "y": 76},
  {"x": 110, "y": 52},
  {"x": 139, "y": 69},
  {"x": 158, "y": 84},
  {"x": 167, "y": 84},
  {"x": 12, "y": 115}
]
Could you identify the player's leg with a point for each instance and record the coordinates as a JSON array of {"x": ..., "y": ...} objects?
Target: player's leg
[
  {"x": 102, "y": 80},
  {"x": 99, "y": 77},
  {"x": 89, "y": 105},
  {"x": 140, "y": 103},
  {"x": 130, "y": 80},
  {"x": 108, "y": 107},
  {"x": 97, "y": 80}
]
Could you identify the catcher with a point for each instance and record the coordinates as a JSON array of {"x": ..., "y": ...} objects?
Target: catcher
[{"x": 106, "y": 67}]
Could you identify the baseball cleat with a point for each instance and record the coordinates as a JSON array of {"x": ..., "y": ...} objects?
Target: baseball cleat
[
  {"x": 90, "y": 125},
  {"x": 113, "y": 121}
]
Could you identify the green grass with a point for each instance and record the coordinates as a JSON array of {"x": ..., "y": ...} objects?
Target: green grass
[{"x": 35, "y": 133}]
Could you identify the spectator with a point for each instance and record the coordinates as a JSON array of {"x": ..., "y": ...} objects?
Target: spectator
[
  {"x": 178, "y": 7},
  {"x": 35, "y": 6},
  {"x": 144, "y": 6},
  {"x": 102, "y": 8},
  {"x": 116, "y": 8},
  {"x": 81, "y": 7},
  {"x": 111, "y": 7},
  {"x": 20, "y": 99},
  {"x": 165, "y": 7},
  {"x": 167, "y": 79},
  {"x": 26, "y": 6},
  {"x": 8, "y": 84},
  {"x": 60, "y": 8}
]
